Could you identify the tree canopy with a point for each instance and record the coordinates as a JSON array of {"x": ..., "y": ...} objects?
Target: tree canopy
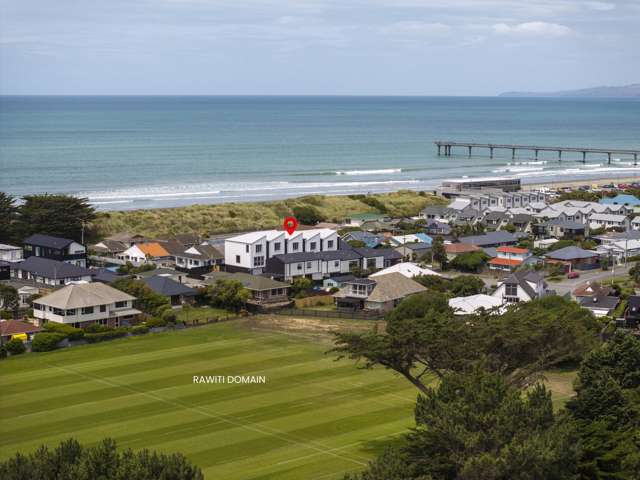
[
  {"x": 227, "y": 294},
  {"x": 148, "y": 301},
  {"x": 72, "y": 461}
]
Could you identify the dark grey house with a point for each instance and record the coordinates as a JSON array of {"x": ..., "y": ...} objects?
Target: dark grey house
[{"x": 55, "y": 248}]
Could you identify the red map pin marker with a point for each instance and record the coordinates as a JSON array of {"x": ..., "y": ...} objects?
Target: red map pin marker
[{"x": 290, "y": 224}]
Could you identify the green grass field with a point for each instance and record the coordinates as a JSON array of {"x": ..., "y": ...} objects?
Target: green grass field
[{"x": 315, "y": 418}]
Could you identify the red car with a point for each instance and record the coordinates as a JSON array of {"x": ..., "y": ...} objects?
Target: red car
[{"x": 572, "y": 275}]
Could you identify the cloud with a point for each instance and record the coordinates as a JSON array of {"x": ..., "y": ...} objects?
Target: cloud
[
  {"x": 532, "y": 29},
  {"x": 600, "y": 6}
]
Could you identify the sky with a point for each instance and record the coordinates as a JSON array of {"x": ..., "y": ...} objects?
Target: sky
[{"x": 315, "y": 47}]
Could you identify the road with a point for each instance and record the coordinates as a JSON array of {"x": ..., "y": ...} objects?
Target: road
[{"x": 569, "y": 285}]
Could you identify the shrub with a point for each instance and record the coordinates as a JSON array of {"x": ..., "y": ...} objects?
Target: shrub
[
  {"x": 169, "y": 316},
  {"x": 45, "y": 342},
  {"x": 109, "y": 335},
  {"x": 96, "y": 328},
  {"x": 15, "y": 346},
  {"x": 6, "y": 315},
  {"x": 154, "y": 322},
  {"x": 308, "y": 215},
  {"x": 3, "y": 352},
  {"x": 140, "y": 330},
  {"x": 68, "y": 331},
  {"x": 334, "y": 290}
]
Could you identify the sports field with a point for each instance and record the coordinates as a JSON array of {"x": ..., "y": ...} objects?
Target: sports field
[{"x": 315, "y": 418}]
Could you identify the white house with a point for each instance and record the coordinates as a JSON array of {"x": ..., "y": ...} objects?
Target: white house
[
  {"x": 249, "y": 252},
  {"x": 142, "y": 252},
  {"x": 44, "y": 271},
  {"x": 522, "y": 286},
  {"x": 199, "y": 257},
  {"x": 83, "y": 304},
  {"x": 509, "y": 258},
  {"x": 473, "y": 304},
  {"x": 620, "y": 250},
  {"x": 9, "y": 253},
  {"x": 407, "y": 269},
  {"x": 635, "y": 223},
  {"x": 607, "y": 220}
]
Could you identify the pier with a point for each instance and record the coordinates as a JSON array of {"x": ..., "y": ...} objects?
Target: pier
[{"x": 446, "y": 149}]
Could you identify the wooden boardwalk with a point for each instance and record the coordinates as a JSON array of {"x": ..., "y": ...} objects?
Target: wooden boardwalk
[{"x": 469, "y": 146}]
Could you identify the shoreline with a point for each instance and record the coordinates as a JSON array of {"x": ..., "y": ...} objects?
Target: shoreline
[{"x": 592, "y": 182}]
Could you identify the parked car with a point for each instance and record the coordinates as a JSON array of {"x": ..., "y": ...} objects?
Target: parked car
[{"x": 572, "y": 275}]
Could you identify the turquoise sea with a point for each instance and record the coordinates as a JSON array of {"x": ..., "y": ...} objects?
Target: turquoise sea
[{"x": 143, "y": 152}]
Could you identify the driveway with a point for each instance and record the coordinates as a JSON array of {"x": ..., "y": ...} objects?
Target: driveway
[{"x": 569, "y": 285}]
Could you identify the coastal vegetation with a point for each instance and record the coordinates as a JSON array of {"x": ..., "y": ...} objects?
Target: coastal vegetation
[{"x": 237, "y": 217}]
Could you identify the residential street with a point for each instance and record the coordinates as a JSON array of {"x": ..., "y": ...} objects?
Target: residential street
[{"x": 567, "y": 285}]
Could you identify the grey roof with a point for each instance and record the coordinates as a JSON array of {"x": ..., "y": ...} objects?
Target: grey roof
[
  {"x": 48, "y": 241},
  {"x": 522, "y": 277},
  {"x": 360, "y": 235},
  {"x": 564, "y": 224},
  {"x": 168, "y": 287},
  {"x": 633, "y": 304},
  {"x": 112, "y": 246},
  {"x": 362, "y": 281},
  {"x": 489, "y": 238},
  {"x": 387, "y": 253},
  {"x": 495, "y": 216},
  {"x": 342, "y": 278},
  {"x": 342, "y": 254},
  {"x": 521, "y": 218},
  {"x": 436, "y": 210},
  {"x": 48, "y": 268},
  {"x": 207, "y": 252},
  {"x": 599, "y": 302},
  {"x": 415, "y": 246},
  {"x": 105, "y": 275},
  {"x": 571, "y": 253},
  {"x": 250, "y": 282},
  {"x": 393, "y": 286},
  {"x": 491, "y": 251},
  {"x": 158, "y": 271}
]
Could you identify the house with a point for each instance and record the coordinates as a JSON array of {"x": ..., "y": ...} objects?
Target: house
[
  {"x": 337, "y": 281},
  {"x": 265, "y": 292},
  {"x": 591, "y": 289},
  {"x": 621, "y": 199},
  {"x": 495, "y": 220},
  {"x": 437, "y": 213},
  {"x": 313, "y": 265},
  {"x": 562, "y": 229},
  {"x": 632, "y": 312},
  {"x": 9, "y": 253},
  {"x": 143, "y": 252},
  {"x": 358, "y": 219},
  {"x": 199, "y": 258},
  {"x": 129, "y": 239},
  {"x": 105, "y": 275},
  {"x": 436, "y": 228},
  {"x": 509, "y": 258},
  {"x": 171, "y": 273},
  {"x": 377, "y": 258},
  {"x": 398, "y": 240},
  {"x": 250, "y": 252},
  {"x": 55, "y": 248},
  {"x": 25, "y": 293},
  {"x": 599, "y": 305},
  {"x": 620, "y": 250},
  {"x": 413, "y": 251},
  {"x": 491, "y": 239},
  {"x": 109, "y": 248},
  {"x": 474, "y": 304},
  {"x": 5, "y": 270},
  {"x": 608, "y": 221},
  {"x": 83, "y": 304},
  {"x": 177, "y": 293},
  {"x": 10, "y": 329},
  {"x": 521, "y": 286},
  {"x": 381, "y": 293},
  {"x": 573, "y": 258},
  {"x": 521, "y": 221},
  {"x": 407, "y": 269},
  {"x": 370, "y": 240},
  {"x": 455, "y": 249},
  {"x": 49, "y": 272}
]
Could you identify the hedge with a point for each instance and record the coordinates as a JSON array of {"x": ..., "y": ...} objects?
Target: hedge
[
  {"x": 102, "y": 336},
  {"x": 45, "y": 342},
  {"x": 15, "y": 346},
  {"x": 68, "y": 331},
  {"x": 140, "y": 330}
]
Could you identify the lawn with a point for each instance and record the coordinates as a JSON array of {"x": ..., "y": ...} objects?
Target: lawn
[
  {"x": 314, "y": 418},
  {"x": 201, "y": 314}
]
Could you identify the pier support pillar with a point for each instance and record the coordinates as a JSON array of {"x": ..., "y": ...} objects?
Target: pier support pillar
[
  {"x": 635, "y": 159},
  {"x": 469, "y": 150},
  {"x": 536, "y": 154},
  {"x": 559, "y": 155},
  {"x": 491, "y": 152},
  {"x": 438, "y": 150},
  {"x": 609, "y": 157},
  {"x": 584, "y": 157},
  {"x": 513, "y": 153}
]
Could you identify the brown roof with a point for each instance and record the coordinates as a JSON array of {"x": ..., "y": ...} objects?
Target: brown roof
[
  {"x": 591, "y": 289},
  {"x": 393, "y": 286},
  {"x": 15, "y": 327},
  {"x": 456, "y": 248}
]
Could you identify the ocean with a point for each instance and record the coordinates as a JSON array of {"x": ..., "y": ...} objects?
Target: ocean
[{"x": 150, "y": 152}]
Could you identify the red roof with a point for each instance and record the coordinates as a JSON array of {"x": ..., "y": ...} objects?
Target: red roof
[
  {"x": 505, "y": 262},
  {"x": 14, "y": 327},
  {"x": 516, "y": 250},
  {"x": 456, "y": 248}
]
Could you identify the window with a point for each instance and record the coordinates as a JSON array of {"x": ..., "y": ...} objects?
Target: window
[
  {"x": 103, "y": 308},
  {"x": 312, "y": 246},
  {"x": 237, "y": 258},
  {"x": 71, "y": 311},
  {"x": 37, "y": 306},
  {"x": 276, "y": 247},
  {"x": 511, "y": 290},
  {"x": 57, "y": 311},
  {"x": 102, "y": 321},
  {"x": 309, "y": 264},
  {"x": 336, "y": 263},
  {"x": 329, "y": 243},
  {"x": 87, "y": 310},
  {"x": 294, "y": 246},
  {"x": 258, "y": 261},
  {"x": 299, "y": 266},
  {"x": 121, "y": 304},
  {"x": 246, "y": 248},
  {"x": 258, "y": 248}
]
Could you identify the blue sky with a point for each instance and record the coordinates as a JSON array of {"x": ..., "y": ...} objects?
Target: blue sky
[{"x": 348, "y": 47}]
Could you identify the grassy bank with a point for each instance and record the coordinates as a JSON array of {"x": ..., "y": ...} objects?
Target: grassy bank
[{"x": 234, "y": 217}]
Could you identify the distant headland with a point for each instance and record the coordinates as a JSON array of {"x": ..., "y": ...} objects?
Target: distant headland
[{"x": 602, "y": 91}]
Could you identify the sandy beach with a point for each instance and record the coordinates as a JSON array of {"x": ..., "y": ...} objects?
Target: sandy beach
[{"x": 594, "y": 182}]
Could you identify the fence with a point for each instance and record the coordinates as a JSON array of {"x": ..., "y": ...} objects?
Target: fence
[{"x": 300, "y": 312}]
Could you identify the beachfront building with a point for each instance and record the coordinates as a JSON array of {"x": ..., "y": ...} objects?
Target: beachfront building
[
  {"x": 55, "y": 248},
  {"x": 46, "y": 272},
  {"x": 199, "y": 258},
  {"x": 380, "y": 293},
  {"x": 250, "y": 252},
  {"x": 509, "y": 258},
  {"x": 84, "y": 304},
  {"x": 522, "y": 286},
  {"x": 10, "y": 253}
]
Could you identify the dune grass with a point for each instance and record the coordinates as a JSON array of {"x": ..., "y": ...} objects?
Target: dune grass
[{"x": 235, "y": 217}]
